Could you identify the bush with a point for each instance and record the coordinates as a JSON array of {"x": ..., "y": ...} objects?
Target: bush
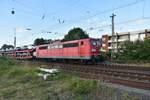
[
  {"x": 83, "y": 86},
  {"x": 135, "y": 51},
  {"x": 7, "y": 61},
  {"x": 11, "y": 70},
  {"x": 73, "y": 84}
]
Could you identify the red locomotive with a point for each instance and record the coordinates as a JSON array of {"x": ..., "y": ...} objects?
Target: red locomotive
[{"x": 83, "y": 49}]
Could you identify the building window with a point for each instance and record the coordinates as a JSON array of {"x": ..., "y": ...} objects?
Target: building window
[
  {"x": 103, "y": 39},
  {"x": 109, "y": 44},
  {"x": 103, "y": 45}
]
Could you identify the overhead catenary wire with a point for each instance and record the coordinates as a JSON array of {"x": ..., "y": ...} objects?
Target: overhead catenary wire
[
  {"x": 123, "y": 22},
  {"x": 118, "y": 23},
  {"x": 106, "y": 11},
  {"x": 109, "y": 10},
  {"x": 25, "y": 9},
  {"x": 45, "y": 14},
  {"x": 78, "y": 19},
  {"x": 27, "y": 6},
  {"x": 100, "y": 28},
  {"x": 143, "y": 9}
]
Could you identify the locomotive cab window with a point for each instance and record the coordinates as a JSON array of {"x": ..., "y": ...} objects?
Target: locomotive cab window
[
  {"x": 82, "y": 43},
  {"x": 94, "y": 43}
]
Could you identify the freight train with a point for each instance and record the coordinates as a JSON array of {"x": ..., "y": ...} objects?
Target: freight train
[{"x": 78, "y": 50}]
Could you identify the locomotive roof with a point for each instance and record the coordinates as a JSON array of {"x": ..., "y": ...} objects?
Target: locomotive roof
[{"x": 64, "y": 42}]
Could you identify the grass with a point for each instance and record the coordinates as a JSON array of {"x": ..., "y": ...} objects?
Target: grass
[{"x": 20, "y": 82}]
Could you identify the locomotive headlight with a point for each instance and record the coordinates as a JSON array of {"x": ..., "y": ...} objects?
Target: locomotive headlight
[{"x": 93, "y": 50}]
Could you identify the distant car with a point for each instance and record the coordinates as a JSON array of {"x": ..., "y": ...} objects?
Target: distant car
[
  {"x": 8, "y": 52},
  {"x": 24, "y": 54}
]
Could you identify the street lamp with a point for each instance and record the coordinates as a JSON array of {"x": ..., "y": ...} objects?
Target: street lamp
[{"x": 15, "y": 39}]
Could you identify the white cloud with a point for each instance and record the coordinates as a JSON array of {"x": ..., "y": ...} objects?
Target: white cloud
[
  {"x": 21, "y": 29},
  {"x": 141, "y": 21}
]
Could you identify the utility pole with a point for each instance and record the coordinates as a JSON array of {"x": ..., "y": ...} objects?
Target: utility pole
[
  {"x": 117, "y": 41},
  {"x": 13, "y": 12},
  {"x": 113, "y": 35},
  {"x": 14, "y": 38}
]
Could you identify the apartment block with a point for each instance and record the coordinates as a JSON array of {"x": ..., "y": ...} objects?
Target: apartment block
[{"x": 110, "y": 42}]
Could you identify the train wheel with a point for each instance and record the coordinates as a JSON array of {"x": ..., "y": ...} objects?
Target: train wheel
[{"x": 83, "y": 61}]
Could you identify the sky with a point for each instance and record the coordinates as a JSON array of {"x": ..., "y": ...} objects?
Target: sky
[{"x": 52, "y": 19}]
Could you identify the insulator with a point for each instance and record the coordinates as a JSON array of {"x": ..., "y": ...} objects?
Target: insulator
[{"x": 12, "y": 12}]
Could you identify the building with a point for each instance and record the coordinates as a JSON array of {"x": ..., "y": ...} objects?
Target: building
[{"x": 110, "y": 42}]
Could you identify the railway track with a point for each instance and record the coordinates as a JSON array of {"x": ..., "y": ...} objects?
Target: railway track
[
  {"x": 133, "y": 78},
  {"x": 124, "y": 75}
]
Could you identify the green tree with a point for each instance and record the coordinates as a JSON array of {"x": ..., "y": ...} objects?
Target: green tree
[
  {"x": 76, "y": 34},
  {"x": 138, "y": 50},
  {"x": 5, "y": 46},
  {"x": 145, "y": 50},
  {"x": 39, "y": 41}
]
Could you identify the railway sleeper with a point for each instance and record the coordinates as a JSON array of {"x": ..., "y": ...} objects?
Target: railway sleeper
[
  {"x": 115, "y": 74},
  {"x": 106, "y": 78}
]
